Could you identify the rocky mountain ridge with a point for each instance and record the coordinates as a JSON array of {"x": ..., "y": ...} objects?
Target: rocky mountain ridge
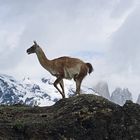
[{"x": 118, "y": 96}]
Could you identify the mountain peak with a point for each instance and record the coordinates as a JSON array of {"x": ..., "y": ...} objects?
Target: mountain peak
[
  {"x": 102, "y": 89},
  {"x": 120, "y": 96}
]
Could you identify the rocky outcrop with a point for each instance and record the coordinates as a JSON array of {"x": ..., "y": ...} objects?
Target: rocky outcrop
[{"x": 84, "y": 117}]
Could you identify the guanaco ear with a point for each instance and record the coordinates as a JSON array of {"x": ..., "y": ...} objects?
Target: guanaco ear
[{"x": 35, "y": 42}]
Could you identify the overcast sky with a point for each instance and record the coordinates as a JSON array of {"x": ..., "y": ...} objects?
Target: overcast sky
[{"x": 105, "y": 33}]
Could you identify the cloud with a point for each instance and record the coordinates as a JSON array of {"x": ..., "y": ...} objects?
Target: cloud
[
  {"x": 125, "y": 44},
  {"x": 122, "y": 8},
  {"x": 60, "y": 27},
  {"x": 64, "y": 26},
  {"x": 123, "y": 56}
]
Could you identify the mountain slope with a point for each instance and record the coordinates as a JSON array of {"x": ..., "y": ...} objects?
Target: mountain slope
[
  {"x": 84, "y": 117},
  {"x": 40, "y": 93},
  {"x": 43, "y": 93},
  {"x": 27, "y": 92}
]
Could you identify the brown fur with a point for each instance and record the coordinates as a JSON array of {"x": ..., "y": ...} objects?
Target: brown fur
[{"x": 63, "y": 67}]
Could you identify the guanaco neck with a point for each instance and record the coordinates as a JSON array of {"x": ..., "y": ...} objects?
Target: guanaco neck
[{"x": 44, "y": 61}]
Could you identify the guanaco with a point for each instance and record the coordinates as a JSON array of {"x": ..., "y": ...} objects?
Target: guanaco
[{"x": 62, "y": 68}]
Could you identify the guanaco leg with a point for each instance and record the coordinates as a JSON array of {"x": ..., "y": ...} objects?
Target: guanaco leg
[
  {"x": 62, "y": 86},
  {"x": 59, "y": 81},
  {"x": 78, "y": 85}
]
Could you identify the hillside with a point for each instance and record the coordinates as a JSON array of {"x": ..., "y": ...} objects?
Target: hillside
[{"x": 84, "y": 117}]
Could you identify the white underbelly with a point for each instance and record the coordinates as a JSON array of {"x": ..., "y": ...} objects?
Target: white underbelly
[{"x": 71, "y": 72}]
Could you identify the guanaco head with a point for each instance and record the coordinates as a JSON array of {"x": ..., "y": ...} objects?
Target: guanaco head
[{"x": 33, "y": 48}]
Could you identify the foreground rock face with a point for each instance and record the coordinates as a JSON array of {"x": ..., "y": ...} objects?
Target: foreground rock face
[{"x": 85, "y": 117}]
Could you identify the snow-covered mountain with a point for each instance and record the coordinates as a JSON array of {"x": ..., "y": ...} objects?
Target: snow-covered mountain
[
  {"x": 27, "y": 91},
  {"x": 102, "y": 89},
  {"x": 120, "y": 96},
  {"x": 43, "y": 93}
]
